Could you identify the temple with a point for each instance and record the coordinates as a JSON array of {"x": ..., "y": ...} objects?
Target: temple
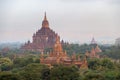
[
  {"x": 43, "y": 38},
  {"x": 58, "y": 56},
  {"x": 93, "y": 41},
  {"x": 94, "y": 53}
]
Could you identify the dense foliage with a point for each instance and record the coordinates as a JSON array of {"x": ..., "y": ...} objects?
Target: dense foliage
[
  {"x": 26, "y": 68},
  {"x": 18, "y": 65},
  {"x": 64, "y": 73}
]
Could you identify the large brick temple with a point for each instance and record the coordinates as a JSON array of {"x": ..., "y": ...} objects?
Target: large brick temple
[
  {"x": 58, "y": 56},
  {"x": 43, "y": 38}
]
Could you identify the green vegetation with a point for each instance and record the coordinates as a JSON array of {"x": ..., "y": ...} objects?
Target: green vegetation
[
  {"x": 101, "y": 69},
  {"x": 61, "y": 72},
  {"x": 98, "y": 69},
  {"x": 18, "y": 65},
  {"x": 5, "y": 64}
]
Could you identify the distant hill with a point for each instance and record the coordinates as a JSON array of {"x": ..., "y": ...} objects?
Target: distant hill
[{"x": 13, "y": 45}]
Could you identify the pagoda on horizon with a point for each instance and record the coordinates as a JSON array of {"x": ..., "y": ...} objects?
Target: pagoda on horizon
[{"x": 95, "y": 50}]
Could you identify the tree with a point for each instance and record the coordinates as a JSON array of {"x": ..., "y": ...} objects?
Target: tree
[
  {"x": 64, "y": 73},
  {"x": 112, "y": 75},
  {"x": 33, "y": 71},
  {"x": 45, "y": 74},
  {"x": 5, "y": 64},
  {"x": 94, "y": 64},
  {"x": 94, "y": 76},
  {"x": 107, "y": 63},
  {"x": 9, "y": 76},
  {"x": 21, "y": 62}
]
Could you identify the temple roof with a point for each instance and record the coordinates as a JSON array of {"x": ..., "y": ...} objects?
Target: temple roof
[
  {"x": 93, "y": 52},
  {"x": 97, "y": 49},
  {"x": 45, "y": 23}
]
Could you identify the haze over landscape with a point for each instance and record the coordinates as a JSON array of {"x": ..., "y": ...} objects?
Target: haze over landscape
[
  {"x": 74, "y": 20},
  {"x": 49, "y": 39}
]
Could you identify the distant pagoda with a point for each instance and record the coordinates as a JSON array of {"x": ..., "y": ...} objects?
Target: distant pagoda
[
  {"x": 95, "y": 50},
  {"x": 43, "y": 38},
  {"x": 93, "y": 41},
  {"x": 94, "y": 53}
]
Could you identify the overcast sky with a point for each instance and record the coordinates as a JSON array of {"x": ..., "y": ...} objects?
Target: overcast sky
[{"x": 74, "y": 20}]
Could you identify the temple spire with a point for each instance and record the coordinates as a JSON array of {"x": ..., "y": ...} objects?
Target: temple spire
[
  {"x": 57, "y": 45},
  {"x": 45, "y": 18},
  {"x": 45, "y": 23},
  {"x": 57, "y": 39},
  {"x": 93, "y": 41}
]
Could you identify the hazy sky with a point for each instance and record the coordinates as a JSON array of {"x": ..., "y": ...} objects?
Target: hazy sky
[{"x": 74, "y": 20}]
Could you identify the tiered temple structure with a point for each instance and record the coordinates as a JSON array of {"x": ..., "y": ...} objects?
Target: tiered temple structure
[
  {"x": 58, "y": 56},
  {"x": 43, "y": 38},
  {"x": 94, "y": 53}
]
